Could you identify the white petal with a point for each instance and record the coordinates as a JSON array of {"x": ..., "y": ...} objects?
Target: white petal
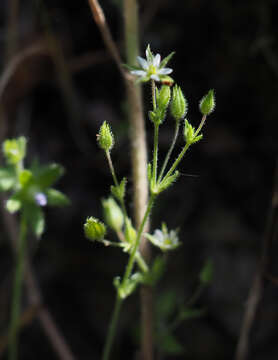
[
  {"x": 155, "y": 77},
  {"x": 143, "y": 63},
  {"x": 138, "y": 72},
  {"x": 156, "y": 60},
  {"x": 165, "y": 71}
]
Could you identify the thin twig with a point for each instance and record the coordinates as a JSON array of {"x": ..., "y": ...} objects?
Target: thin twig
[
  {"x": 100, "y": 20},
  {"x": 255, "y": 293}
]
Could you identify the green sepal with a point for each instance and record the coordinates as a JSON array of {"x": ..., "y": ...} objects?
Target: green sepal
[
  {"x": 35, "y": 219},
  {"x": 149, "y": 54},
  {"x": 7, "y": 178},
  {"x": 168, "y": 181},
  {"x": 56, "y": 198},
  {"x": 119, "y": 191},
  {"x": 206, "y": 273},
  {"x": 165, "y": 61},
  {"x": 197, "y": 138}
]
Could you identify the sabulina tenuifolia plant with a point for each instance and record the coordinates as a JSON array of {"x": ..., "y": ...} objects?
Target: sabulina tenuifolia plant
[
  {"x": 165, "y": 98},
  {"x": 30, "y": 191}
]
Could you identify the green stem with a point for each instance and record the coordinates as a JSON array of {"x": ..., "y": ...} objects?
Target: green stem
[
  {"x": 202, "y": 123},
  {"x": 131, "y": 260},
  {"x": 170, "y": 150},
  {"x": 17, "y": 288},
  {"x": 140, "y": 261},
  {"x": 112, "y": 328},
  {"x": 179, "y": 158},
  {"x": 153, "y": 94},
  {"x": 116, "y": 182},
  {"x": 155, "y": 152}
]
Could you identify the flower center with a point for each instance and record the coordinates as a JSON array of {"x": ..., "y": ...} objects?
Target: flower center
[{"x": 152, "y": 70}]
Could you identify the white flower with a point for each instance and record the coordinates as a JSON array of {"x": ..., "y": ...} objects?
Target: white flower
[
  {"x": 152, "y": 67},
  {"x": 163, "y": 239}
]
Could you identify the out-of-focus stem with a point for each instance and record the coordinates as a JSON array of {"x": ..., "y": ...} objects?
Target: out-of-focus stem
[
  {"x": 139, "y": 166},
  {"x": 17, "y": 289}
]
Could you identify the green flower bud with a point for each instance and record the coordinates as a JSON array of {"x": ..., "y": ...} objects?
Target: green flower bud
[
  {"x": 94, "y": 229},
  {"x": 14, "y": 150},
  {"x": 164, "y": 96},
  {"x": 105, "y": 137},
  {"x": 130, "y": 232},
  {"x": 113, "y": 215},
  {"x": 188, "y": 132},
  {"x": 178, "y": 104},
  {"x": 207, "y": 104}
]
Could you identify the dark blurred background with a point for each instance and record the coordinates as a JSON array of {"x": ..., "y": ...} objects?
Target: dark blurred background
[{"x": 59, "y": 83}]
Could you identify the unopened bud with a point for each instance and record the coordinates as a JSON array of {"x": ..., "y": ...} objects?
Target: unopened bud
[
  {"x": 94, "y": 229},
  {"x": 178, "y": 104},
  {"x": 105, "y": 137},
  {"x": 207, "y": 104},
  {"x": 164, "y": 96},
  {"x": 113, "y": 215}
]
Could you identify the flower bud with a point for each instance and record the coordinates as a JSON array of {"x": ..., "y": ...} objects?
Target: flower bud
[
  {"x": 207, "y": 104},
  {"x": 14, "y": 150},
  {"x": 164, "y": 96},
  {"x": 188, "y": 132},
  {"x": 105, "y": 137},
  {"x": 130, "y": 232},
  {"x": 178, "y": 104},
  {"x": 94, "y": 229},
  {"x": 113, "y": 215}
]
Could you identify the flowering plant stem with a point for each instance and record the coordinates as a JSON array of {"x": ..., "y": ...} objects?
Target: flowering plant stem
[
  {"x": 129, "y": 268},
  {"x": 17, "y": 289},
  {"x": 169, "y": 151},
  {"x": 112, "y": 328}
]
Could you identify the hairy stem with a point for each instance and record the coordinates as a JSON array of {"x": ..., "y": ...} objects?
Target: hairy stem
[
  {"x": 17, "y": 289},
  {"x": 178, "y": 160}
]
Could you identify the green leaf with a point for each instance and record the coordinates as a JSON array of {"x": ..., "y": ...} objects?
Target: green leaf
[
  {"x": 47, "y": 175},
  {"x": 206, "y": 273},
  {"x": 156, "y": 272},
  {"x": 25, "y": 177},
  {"x": 166, "y": 304},
  {"x": 56, "y": 198},
  {"x": 168, "y": 344},
  {"x": 13, "y": 205},
  {"x": 7, "y": 178},
  {"x": 35, "y": 218}
]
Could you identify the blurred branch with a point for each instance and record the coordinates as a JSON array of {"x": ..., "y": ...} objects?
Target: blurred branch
[
  {"x": 255, "y": 293},
  {"x": 11, "y": 28}
]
